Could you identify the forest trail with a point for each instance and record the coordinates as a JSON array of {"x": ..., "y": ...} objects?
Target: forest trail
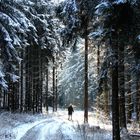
[
  {"x": 57, "y": 127},
  {"x": 51, "y": 129}
]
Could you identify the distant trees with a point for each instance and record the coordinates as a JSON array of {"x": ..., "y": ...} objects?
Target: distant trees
[
  {"x": 77, "y": 18},
  {"x": 71, "y": 78}
]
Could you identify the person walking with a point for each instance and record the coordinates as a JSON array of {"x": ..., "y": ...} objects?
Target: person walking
[{"x": 70, "y": 111}]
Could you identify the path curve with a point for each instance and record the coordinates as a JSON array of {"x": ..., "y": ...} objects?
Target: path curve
[{"x": 52, "y": 129}]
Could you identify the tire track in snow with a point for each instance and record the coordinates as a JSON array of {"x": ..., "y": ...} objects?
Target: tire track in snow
[
  {"x": 21, "y": 130},
  {"x": 49, "y": 130},
  {"x": 33, "y": 133}
]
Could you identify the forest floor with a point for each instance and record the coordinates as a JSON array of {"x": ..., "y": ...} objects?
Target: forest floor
[{"x": 56, "y": 126}]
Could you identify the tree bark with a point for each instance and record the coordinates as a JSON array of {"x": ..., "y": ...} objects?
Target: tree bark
[
  {"x": 137, "y": 94},
  {"x": 122, "y": 86},
  {"x": 106, "y": 97},
  {"x": 21, "y": 83},
  {"x": 27, "y": 94},
  {"x": 86, "y": 78},
  {"x": 98, "y": 69},
  {"x": 98, "y": 59},
  {"x": 47, "y": 78},
  {"x": 56, "y": 93},
  {"x": 129, "y": 103},
  {"x": 53, "y": 101},
  {"x": 115, "y": 102}
]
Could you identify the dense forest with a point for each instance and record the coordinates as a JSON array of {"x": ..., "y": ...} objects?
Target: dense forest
[{"x": 76, "y": 51}]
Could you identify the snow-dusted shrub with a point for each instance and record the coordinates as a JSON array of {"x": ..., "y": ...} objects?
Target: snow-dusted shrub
[{"x": 87, "y": 132}]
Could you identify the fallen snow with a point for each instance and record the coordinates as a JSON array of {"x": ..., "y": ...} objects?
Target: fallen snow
[
  {"x": 22, "y": 129},
  {"x": 56, "y": 126}
]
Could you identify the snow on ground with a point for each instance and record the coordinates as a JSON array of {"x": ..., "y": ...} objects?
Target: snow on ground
[
  {"x": 13, "y": 125},
  {"x": 22, "y": 129},
  {"x": 49, "y": 126},
  {"x": 54, "y": 126}
]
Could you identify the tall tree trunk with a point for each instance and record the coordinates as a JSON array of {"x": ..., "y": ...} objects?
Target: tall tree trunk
[
  {"x": 129, "y": 103},
  {"x": 98, "y": 70},
  {"x": 21, "y": 83},
  {"x": 4, "y": 100},
  {"x": 34, "y": 63},
  {"x": 122, "y": 86},
  {"x": 115, "y": 102},
  {"x": 27, "y": 94},
  {"x": 56, "y": 93},
  {"x": 16, "y": 88},
  {"x": 30, "y": 78},
  {"x": 137, "y": 93},
  {"x": 37, "y": 79},
  {"x": 9, "y": 101},
  {"x": 1, "y": 97},
  {"x": 34, "y": 92},
  {"x": 47, "y": 78},
  {"x": 98, "y": 59},
  {"x": 53, "y": 101},
  {"x": 12, "y": 97},
  {"x": 40, "y": 79},
  {"x": 26, "y": 76},
  {"x": 106, "y": 97},
  {"x": 86, "y": 78}
]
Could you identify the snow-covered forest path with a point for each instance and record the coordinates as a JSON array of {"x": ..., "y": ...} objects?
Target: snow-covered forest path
[
  {"x": 57, "y": 127},
  {"x": 51, "y": 129}
]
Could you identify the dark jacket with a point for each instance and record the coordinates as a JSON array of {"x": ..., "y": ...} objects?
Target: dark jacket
[{"x": 70, "y": 110}]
